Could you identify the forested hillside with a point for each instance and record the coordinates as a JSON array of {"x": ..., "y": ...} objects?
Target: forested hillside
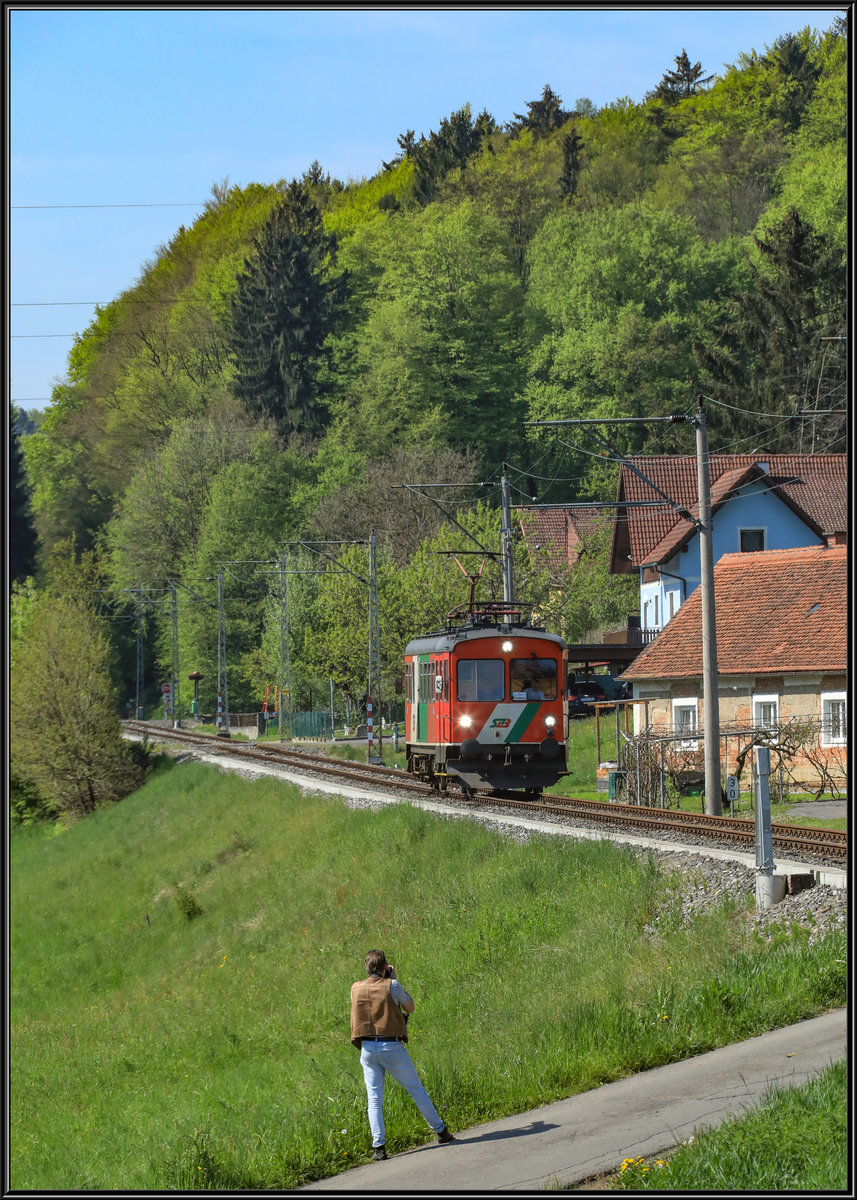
[{"x": 308, "y": 344}]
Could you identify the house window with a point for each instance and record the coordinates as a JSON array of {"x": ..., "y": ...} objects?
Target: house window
[
  {"x": 751, "y": 540},
  {"x": 766, "y": 712},
  {"x": 684, "y": 720},
  {"x": 834, "y": 719}
]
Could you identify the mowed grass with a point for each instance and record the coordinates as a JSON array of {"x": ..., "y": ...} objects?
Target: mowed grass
[
  {"x": 794, "y": 1141},
  {"x": 181, "y": 963}
]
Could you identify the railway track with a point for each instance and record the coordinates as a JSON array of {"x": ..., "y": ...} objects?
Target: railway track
[{"x": 829, "y": 844}]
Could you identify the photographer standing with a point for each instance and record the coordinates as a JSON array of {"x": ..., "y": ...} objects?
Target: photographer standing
[{"x": 379, "y": 1030}]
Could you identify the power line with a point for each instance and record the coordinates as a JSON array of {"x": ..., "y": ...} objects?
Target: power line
[
  {"x": 123, "y": 298},
  {"x": 68, "y": 303},
  {"x": 172, "y": 204}
]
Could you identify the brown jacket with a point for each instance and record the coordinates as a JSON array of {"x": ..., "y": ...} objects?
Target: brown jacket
[{"x": 374, "y": 1012}]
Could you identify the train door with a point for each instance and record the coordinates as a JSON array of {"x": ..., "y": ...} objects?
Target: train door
[
  {"x": 410, "y": 701},
  {"x": 425, "y": 693}
]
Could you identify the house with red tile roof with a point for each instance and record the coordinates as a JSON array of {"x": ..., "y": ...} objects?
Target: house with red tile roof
[
  {"x": 557, "y": 533},
  {"x": 781, "y": 632},
  {"x": 758, "y": 502}
]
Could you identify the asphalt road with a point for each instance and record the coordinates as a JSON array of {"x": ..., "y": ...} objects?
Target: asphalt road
[{"x": 574, "y": 1140}]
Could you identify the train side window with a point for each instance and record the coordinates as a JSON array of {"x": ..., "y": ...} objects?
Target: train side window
[
  {"x": 446, "y": 679},
  {"x": 481, "y": 679}
]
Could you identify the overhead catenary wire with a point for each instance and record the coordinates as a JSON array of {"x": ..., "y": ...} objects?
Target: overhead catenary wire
[{"x": 170, "y": 204}]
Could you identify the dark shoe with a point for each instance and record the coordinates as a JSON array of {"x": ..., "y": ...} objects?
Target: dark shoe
[
  {"x": 379, "y": 1154},
  {"x": 445, "y": 1136}
]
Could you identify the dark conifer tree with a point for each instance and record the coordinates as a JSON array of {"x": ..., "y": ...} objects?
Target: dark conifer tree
[
  {"x": 776, "y": 351},
  {"x": 22, "y": 532},
  {"x": 572, "y": 162},
  {"x": 283, "y": 309},
  {"x": 456, "y": 140},
  {"x": 543, "y": 116},
  {"x": 684, "y": 81},
  {"x": 791, "y": 58},
  {"x": 406, "y": 142}
]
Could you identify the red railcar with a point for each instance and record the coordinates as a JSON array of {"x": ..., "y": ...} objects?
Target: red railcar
[{"x": 485, "y": 704}]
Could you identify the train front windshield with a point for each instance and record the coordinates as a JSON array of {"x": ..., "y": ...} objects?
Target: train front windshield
[
  {"x": 533, "y": 678},
  {"x": 484, "y": 679},
  {"x": 481, "y": 679}
]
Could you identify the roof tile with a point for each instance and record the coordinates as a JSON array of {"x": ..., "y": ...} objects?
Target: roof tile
[
  {"x": 776, "y": 611},
  {"x": 558, "y": 531},
  {"x": 816, "y": 485}
]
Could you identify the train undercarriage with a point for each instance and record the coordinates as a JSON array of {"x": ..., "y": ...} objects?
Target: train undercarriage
[{"x": 522, "y": 768}]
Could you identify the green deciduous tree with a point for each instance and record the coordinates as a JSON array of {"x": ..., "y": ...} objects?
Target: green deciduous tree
[
  {"x": 814, "y": 179},
  {"x": 519, "y": 186},
  {"x": 623, "y": 148},
  {"x": 613, "y": 300},
  {"x": 62, "y": 658},
  {"x": 584, "y": 601},
  {"x": 158, "y": 522},
  {"x": 247, "y": 516},
  {"x": 439, "y": 351},
  {"x": 375, "y": 499}
]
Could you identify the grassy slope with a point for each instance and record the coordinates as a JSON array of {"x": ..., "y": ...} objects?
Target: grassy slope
[
  {"x": 213, "y": 1051},
  {"x": 792, "y": 1142}
]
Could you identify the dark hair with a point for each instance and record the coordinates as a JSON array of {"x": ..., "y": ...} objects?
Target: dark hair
[{"x": 376, "y": 962}]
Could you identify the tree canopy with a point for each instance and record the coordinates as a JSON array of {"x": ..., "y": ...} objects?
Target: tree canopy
[{"x": 306, "y": 345}]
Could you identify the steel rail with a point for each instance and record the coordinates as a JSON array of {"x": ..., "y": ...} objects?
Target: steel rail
[{"x": 832, "y": 843}]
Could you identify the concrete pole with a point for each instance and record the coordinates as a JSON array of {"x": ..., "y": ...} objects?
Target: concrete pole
[
  {"x": 711, "y": 700},
  {"x": 141, "y": 712},
  {"x": 374, "y": 689},
  {"x": 770, "y": 888},
  {"x": 222, "y": 685},
  {"x": 176, "y": 678},
  {"x": 283, "y": 610},
  {"x": 506, "y": 536}
]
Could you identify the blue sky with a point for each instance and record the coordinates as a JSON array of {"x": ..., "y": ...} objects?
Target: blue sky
[{"x": 150, "y": 107}]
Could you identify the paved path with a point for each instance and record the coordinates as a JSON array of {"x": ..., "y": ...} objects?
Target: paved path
[
  {"x": 820, "y": 808},
  {"x": 571, "y": 1141}
]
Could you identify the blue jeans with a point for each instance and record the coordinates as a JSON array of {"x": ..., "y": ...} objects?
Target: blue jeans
[{"x": 376, "y": 1059}]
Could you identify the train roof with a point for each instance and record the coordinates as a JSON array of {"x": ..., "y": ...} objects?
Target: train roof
[{"x": 446, "y": 640}]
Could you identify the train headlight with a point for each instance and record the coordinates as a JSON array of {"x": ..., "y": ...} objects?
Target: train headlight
[
  {"x": 506, "y": 647},
  {"x": 465, "y": 722},
  {"x": 550, "y": 722}
]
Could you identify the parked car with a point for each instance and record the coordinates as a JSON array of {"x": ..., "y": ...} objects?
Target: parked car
[
  {"x": 582, "y": 694},
  {"x": 591, "y": 692},
  {"x": 577, "y": 708}
]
